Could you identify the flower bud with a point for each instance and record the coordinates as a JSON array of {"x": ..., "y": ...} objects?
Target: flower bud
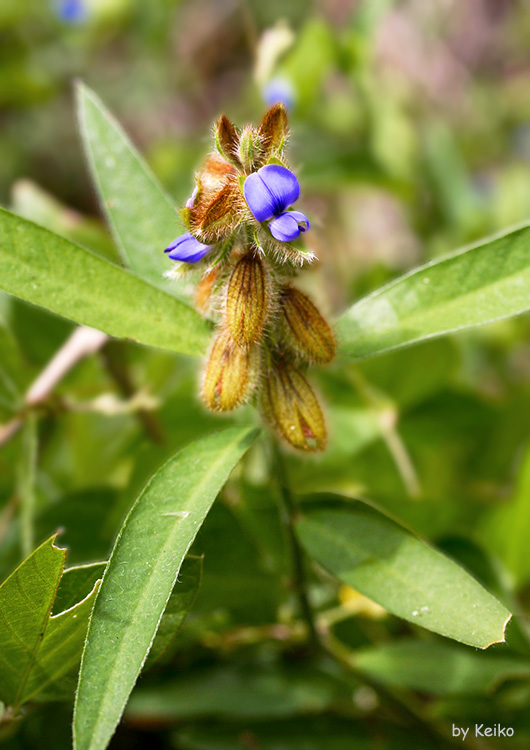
[
  {"x": 231, "y": 374},
  {"x": 304, "y": 328},
  {"x": 274, "y": 130},
  {"x": 249, "y": 152},
  {"x": 226, "y": 139},
  {"x": 247, "y": 300},
  {"x": 289, "y": 404}
]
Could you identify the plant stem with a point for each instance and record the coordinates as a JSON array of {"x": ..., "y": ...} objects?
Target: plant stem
[
  {"x": 26, "y": 484},
  {"x": 289, "y": 512},
  {"x": 113, "y": 355},
  {"x": 388, "y": 415},
  {"x": 404, "y": 705}
]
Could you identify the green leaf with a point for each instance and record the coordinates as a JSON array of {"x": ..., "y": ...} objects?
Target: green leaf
[
  {"x": 140, "y": 576},
  {"x": 76, "y": 584},
  {"x": 179, "y": 604},
  {"x": 26, "y": 600},
  {"x": 506, "y": 529},
  {"x": 439, "y": 668},
  {"x": 47, "y": 270},
  {"x": 141, "y": 215},
  {"x": 477, "y": 285},
  {"x": 303, "y": 732},
  {"x": 237, "y": 691},
  {"x": 40, "y": 652},
  {"x": 53, "y": 675},
  {"x": 368, "y": 551}
]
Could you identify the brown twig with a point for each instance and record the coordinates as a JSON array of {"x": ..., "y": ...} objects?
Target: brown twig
[{"x": 82, "y": 342}]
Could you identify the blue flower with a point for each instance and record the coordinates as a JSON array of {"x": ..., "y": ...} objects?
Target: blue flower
[
  {"x": 278, "y": 90},
  {"x": 187, "y": 249},
  {"x": 72, "y": 11},
  {"x": 268, "y": 193}
]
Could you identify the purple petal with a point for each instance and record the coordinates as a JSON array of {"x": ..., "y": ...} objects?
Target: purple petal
[
  {"x": 187, "y": 249},
  {"x": 270, "y": 190},
  {"x": 287, "y": 226},
  {"x": 191, "y": 199}
]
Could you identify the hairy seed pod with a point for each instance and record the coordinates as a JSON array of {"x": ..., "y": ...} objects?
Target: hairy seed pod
[
  {"x": 227, "y": 139},
  {"x": 273, "y": 130},
  {"x": 231, "y": 374},
  {"x": 304, "y": 328},
  {"x": 247, "y": 300},
  {"x": 290, "y": 405}
]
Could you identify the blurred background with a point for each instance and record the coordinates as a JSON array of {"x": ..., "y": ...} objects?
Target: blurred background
[{"x": 411, "y": 138}]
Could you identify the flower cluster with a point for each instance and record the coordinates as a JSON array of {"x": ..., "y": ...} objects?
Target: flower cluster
[{"x": 247, "y": 241}]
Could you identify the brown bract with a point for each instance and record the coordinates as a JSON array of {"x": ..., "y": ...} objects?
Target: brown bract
[
  {"x": 273, "y": 131},
  {"x": 227, "y": 139},
  {"x": 218, "y": 203}
]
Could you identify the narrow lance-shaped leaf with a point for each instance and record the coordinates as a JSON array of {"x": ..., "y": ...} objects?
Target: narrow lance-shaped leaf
[
  {"x": 410, "y": 579},
  {"x": 140, "y": 576},
  {"x": 52, "y": 272},
  {"x": 480, "y": 284},
  {"x": 140, "y": 213}
]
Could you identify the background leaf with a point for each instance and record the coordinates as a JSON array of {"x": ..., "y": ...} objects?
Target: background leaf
[
  {"x": 141, "y": 215},
  {"x": 488, "y": 281},
  {"x": 506, "y": 529},
  {"x": 439, "y": 668},
  {"x": 54, "y": 671},
  {"x": 66, "y": 279},
  {"x": 235, "y": 692},
  {"x": 379, "y": 558},
  {"x": 179, "y": 604},
  {"x": 26, "y": 600},
  {"x": 140, "y": 577},
  {"x": 40, "y": 652}
]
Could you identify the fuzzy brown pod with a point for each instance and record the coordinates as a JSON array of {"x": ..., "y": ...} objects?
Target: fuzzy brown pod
[
  {"x": 247, "y": 299},
  {"x": 231, "y": 373},
  {"x": 304, "y": 328},
  {"x": 289, "y": 404}
]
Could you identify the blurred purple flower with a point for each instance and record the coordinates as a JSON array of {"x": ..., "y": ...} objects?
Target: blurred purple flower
[
  {"x": 268, "y": 193},
  {"x": 187, "y": 249},
  {"x": 72, "y": 11},
  {"x": 278, "y": 91}
]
